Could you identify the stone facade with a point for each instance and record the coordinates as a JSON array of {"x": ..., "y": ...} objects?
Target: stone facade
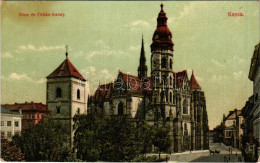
[
  {"x": 66, "y": 94},
  {"x": 165, "y": 98}
]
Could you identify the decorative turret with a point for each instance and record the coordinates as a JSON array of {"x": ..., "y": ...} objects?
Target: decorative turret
[
  {"x": 142, "y": 69},
  {"x": 162, "y": 37},
  {"x": 193, "y": 82}
]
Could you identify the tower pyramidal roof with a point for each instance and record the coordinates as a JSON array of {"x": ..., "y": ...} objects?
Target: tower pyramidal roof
[
  {"x": 193, "y": 82},
  {"x": 66, "y": 69}
]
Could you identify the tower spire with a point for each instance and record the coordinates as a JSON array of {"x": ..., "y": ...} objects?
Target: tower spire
[
  {"x": 67, "y": 49},
  {"x": 142, "y": 69}
]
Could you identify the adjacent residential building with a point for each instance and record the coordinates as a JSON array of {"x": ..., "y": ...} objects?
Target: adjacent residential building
[
  {"x": 11, "y": 123},
  {"x": 31, "y": 112},
  {"x": 251, "y": 110}
]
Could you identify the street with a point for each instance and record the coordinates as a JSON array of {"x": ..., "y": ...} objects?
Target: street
[{"x": 205, "y": 156}]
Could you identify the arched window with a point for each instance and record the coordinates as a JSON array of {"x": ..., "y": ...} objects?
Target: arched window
[
  {"x": 185, "y": 105},
  {"x": 170, "y": 63},
  {"x": 164, "y": 63},
  {"x": 170, "y": 80},
  {"x": 78, "y": 94},
  {"x": 78, "y": 110},
  {"x": 58, "y": 92},
  {"x": 171, "y": 97},
  {"x": 120, "y": 108}
]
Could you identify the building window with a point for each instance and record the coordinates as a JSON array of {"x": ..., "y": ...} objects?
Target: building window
[
  {"x": 2, "y": 123},
  {"x": 120, "y": 108},
  {"x": 170, "y": 80},
  {"x": 58, "y": 110},
  {"x": 78, "y": 94},
  {"x": 256, "y": 96},
  {"x": 2, "y": 134},
  {"x": 78, "y": 111},
  {"x": 170, "y": 97},
  {"x": 16, "y": 124},
  {"x": 9, "y": 135},
  {"x": 164, "y": 63},
  {"x": 33, "y": 116},
  {"x": 170, "y": 63},
  {"x": 9, "y": 123},
  {"x": 16, "y": 133},
  {"x": 185, "y": 109},
  {"x": 58, "y": 92}
]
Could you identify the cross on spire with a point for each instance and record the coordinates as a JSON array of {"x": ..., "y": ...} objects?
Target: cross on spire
[{"x": 67, "y": 48}]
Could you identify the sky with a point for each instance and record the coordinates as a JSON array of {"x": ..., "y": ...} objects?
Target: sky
[{"x": 105, "y": 37}]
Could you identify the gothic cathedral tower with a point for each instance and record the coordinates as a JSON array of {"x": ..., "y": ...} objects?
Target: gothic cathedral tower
[
  {"x": 66, "y": 94},
  {"x": 142, "y": 69},
  {"x": 162, "y": 69}
]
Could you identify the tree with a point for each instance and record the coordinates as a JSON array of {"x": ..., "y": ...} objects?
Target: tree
[
  {"x": 10, "y": 152},
  {"x": 46, "y": 141},
  {"x": 162, "y": 140},
  {"x": 115, "y": 139}
]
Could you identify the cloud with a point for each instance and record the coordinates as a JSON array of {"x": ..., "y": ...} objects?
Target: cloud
[
  {"x": 218, "y": 78},
  {"x": 41, "y": 48},
  {"x": 217, "y": 63},
  {"x": 6, "y": 55},
  {"x": 102, "y": 44},
  {"x": 105, "y": 52},
  {"x": 134, "y": 48},
  {"x": 138, "y": 25},
  {"x": 236, "y": 59},
  {"x": 43, "y": 80},
  {"x": 16, "y": 76},
  {"x": 238, "y": 75}
]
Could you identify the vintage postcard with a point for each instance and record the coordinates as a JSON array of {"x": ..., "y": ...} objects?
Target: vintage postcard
[{"x": 123, "y": 81}]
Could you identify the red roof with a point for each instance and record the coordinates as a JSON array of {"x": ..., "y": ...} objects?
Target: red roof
[
  {"x": 66, "y": 69},
  {"x": 180, "y": 77},
  {"x": 193, "y": 82},
  {"x": 103, "y": 91},
  {"x": 136, "y": 84},
  {"x": 27, "y": 107}
]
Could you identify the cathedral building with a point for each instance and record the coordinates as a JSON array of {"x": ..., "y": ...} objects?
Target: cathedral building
[{"x": 165, "y": 97}]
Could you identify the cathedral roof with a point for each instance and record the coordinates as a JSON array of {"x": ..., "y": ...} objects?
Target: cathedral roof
[
  {"x": 103, "y": 91},
  {"x": 27, "y": 106},
  {"x": 135, "y": 83},
  {"x": 193, "y": 82},
  {"x": 162, "y": 37},
  {"x": 66, "y": 69},
  {"x": 180, "y": 77}
]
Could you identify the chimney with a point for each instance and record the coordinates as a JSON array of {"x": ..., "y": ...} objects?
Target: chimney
[{"x": 31, "y": 101}]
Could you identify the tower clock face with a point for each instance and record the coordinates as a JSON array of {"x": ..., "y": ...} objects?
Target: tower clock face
[{"x": 156, "y": 36}]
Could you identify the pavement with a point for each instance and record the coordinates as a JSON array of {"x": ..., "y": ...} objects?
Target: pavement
[
  {"x": 205, "y": 156},
  {"x": 225, "y": 155}
]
